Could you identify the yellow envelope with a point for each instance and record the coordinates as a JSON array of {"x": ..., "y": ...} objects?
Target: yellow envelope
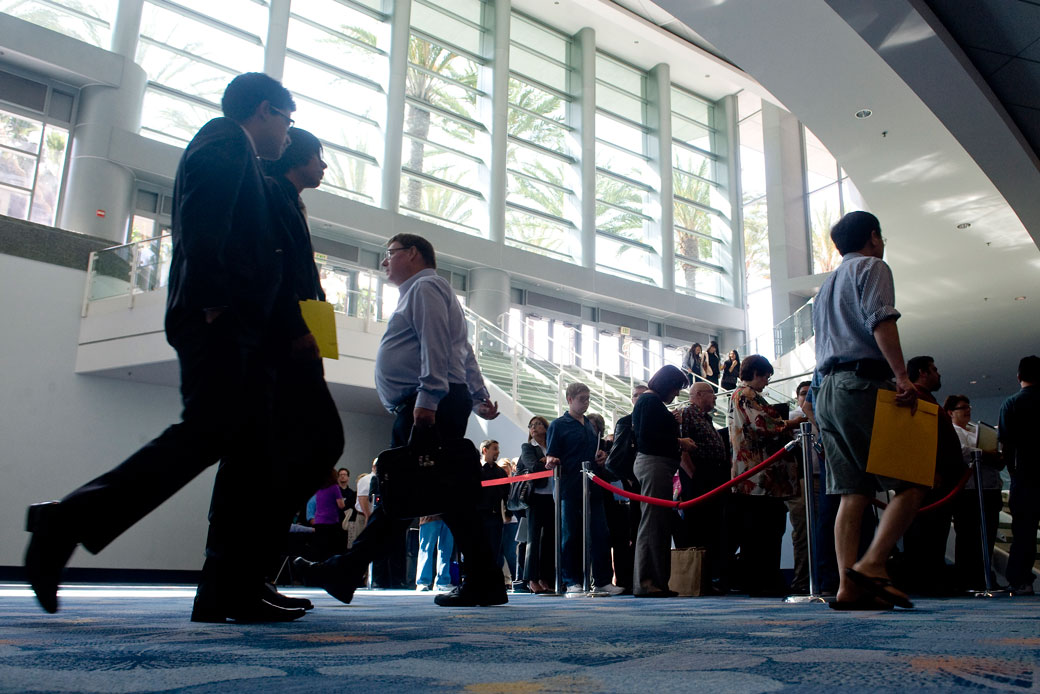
[
  {"x": 321, "y": 320},
  {"x": 903, "y": 445}
]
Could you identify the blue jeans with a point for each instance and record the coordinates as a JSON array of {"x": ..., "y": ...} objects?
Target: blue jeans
[
  {"x": 434, "y": 536},
  {"x": 573, "y": 571}
]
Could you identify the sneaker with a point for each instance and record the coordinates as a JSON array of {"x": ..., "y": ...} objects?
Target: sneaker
[
  {"x": 574, "y": 591},
  {"x": 609, "y": 589},
  {"x": 422, "y": 588}
]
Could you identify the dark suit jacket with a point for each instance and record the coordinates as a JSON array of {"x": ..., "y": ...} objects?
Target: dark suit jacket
[
  {"x": 301, "y": 274},
  {"x": 227, "y": 252}
]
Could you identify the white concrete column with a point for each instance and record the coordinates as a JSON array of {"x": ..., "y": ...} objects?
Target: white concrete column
[
  {"x": 277, "y": 39},
  {"x": 788, "y": 219},
  {"x": 395, "y": 91},
  {"x": 99, "y": 194},
  {"x": 583, "y": 116},
  {"x": 499, "y": 121},
  {"x": 489, "y": 292},
  {"x": 659, "y": 118},
  {"x": 127, "y": 28}
]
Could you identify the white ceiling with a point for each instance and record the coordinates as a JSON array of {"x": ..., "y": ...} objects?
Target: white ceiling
[{"x": 939, "y": 150}]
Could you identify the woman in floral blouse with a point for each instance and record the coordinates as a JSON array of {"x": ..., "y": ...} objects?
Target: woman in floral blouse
[{"x": 756, "y": 430}]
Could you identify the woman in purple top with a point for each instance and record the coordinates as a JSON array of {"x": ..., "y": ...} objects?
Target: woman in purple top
[{"x": 329, "y": 537}]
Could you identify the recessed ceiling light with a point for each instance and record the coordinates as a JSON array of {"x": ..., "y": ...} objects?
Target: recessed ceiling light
[
  {"x": 863, "y": 113},
  {"x": 972, "y": 382},
  {"x": 1020, "y": 298},
  {"x": 964, "y": 225}
]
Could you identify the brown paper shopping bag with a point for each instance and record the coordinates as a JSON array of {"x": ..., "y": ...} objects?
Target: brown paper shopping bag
[{"x": 689, "y": 571}]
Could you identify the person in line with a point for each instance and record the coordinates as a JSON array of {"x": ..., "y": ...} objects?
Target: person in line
[
  {"x": 1018, "y": 433},
  {"x": 222, "y": 316},
  {"x": 693, "y": 363},
  {"x": 489, "y": 505},
  {"x": 966, "y": 523},
  {"x": 924, "y": 543},
  {"x": 730, "y": 371},
  {"x": 348, "y": 494},
  {"x": 619, "y": 463},
  {"x": 427, "y": 376},
  {"x": 658, "y": 449},
  {"x": 858, "y": 352},
  {"x": 540, "y": 564},
  {"x": 796, "y": 506},
  {"x": 329, "y": 538},
  {"x": 757, "y": 430},
  {"x": 573, "y": 440},
  {"x": 712, "y": 366},
  {"x": 702, "y": 469}
]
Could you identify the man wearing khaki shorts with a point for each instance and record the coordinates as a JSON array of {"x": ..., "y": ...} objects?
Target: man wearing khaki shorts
[{"x": 858, "y": 352}]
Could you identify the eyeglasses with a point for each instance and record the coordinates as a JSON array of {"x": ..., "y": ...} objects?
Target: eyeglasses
[
  {"x": 283, "y": 114},
  {"x": 961, "y": 407},
  {"x": 390, "y": 251}
]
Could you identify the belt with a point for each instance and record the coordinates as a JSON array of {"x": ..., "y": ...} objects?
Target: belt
[{"x": 867, "y": 368}]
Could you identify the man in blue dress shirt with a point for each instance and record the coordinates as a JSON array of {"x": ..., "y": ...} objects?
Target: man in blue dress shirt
[{"x": 427, "y": 376}]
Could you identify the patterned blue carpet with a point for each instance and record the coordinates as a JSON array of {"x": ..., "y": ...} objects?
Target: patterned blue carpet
[{"x": 137, "y": 639}]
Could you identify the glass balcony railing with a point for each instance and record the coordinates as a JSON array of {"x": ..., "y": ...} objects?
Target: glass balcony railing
[{"x": 536, "y": 383}]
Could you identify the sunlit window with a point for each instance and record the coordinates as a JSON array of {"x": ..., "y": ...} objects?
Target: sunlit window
[
  {"x": 831, "y": 195},
  {"x": 337, "y": 69},
  {"x": 701, "y": 210},
  {"x": 89, "y": 21},
  {"x": 540, "y": 198},
  {"x": 446, "y": 145},
  {"x": 624, "y": 214},
  {"x": 32, "y": 160},
  {"x": 190, "y": 50},
  {"x": 758, "y": 297}
]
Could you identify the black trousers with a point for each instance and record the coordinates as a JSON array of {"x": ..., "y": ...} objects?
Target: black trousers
[
  {"x": 968, "y": 527},
  {"x": 375, "y": 541},
  {"x": 762, "y": 521},
  {"x": 227, "y": 388},
  {"x": 540, "y": 564}
]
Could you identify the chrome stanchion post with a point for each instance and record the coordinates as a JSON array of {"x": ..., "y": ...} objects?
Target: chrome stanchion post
[
  {"x": 805, "y": 438},
  {"x": 586, "y": 553},
  {"x": 986, "y": 563},
  {"x": 558, "y": 530}
]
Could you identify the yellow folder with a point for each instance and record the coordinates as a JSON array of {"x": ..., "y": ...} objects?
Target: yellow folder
[
  {"x": 903, "y": 445},
  {"x": 320, "y": 318}
]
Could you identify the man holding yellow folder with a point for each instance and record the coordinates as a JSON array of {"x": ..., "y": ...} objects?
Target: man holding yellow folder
[{"x": 858, "y": 352}]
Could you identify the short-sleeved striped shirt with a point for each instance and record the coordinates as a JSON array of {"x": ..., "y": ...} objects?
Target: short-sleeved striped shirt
[{"x": 857, "y": 296}]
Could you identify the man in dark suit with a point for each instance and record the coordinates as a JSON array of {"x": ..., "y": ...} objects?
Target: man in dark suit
[
  {"x": 222, "y": 303},
  {"x": 308, "y": 426}
]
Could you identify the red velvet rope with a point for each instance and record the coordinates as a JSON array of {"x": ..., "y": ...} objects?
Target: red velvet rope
[
  {"x": 518, "y": 478},
  {"x": 941, "y": 502},
  {"x": 703, "y": 497}
]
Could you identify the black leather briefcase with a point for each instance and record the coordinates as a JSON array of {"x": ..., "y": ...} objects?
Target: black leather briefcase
[{"x": 428, "y": 479}]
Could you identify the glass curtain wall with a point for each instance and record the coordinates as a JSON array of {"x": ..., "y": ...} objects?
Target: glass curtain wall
[
  {"x": 337, "y": 65},
  {"x": 89, "y": 21},
  {"x": 32, "y": 161},
  {"x": 829, "y": 196},
  {"x": 190, "y": 50},
  {"x": 701, "y": 211},
  {"x": 625, "y": 232},
  {"x": 446, "y": 144},
  {"x": 756, "y": 221},
  {"x": 541, "y": 161}
]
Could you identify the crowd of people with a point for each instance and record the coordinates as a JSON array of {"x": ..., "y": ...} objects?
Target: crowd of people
[{"x": 255, "y": 399}]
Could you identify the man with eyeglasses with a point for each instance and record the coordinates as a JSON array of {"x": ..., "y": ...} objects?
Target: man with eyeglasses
[
  {"x": 224, "y": 288},
  {"x": 858, "y": 352},
  {"x": 426, "y": 375}
]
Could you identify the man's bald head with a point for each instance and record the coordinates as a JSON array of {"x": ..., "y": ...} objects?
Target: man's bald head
[{"x": 703, "y": 395}]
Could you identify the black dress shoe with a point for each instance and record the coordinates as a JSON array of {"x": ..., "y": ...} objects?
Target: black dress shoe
[
  {"x": 465, "y": 596},
  {"x": 48, "y": 552},
  {"x": 335, "y": 582},
  {"x": 272, "y": 596},
  {"x": 255, "y": 611}
]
